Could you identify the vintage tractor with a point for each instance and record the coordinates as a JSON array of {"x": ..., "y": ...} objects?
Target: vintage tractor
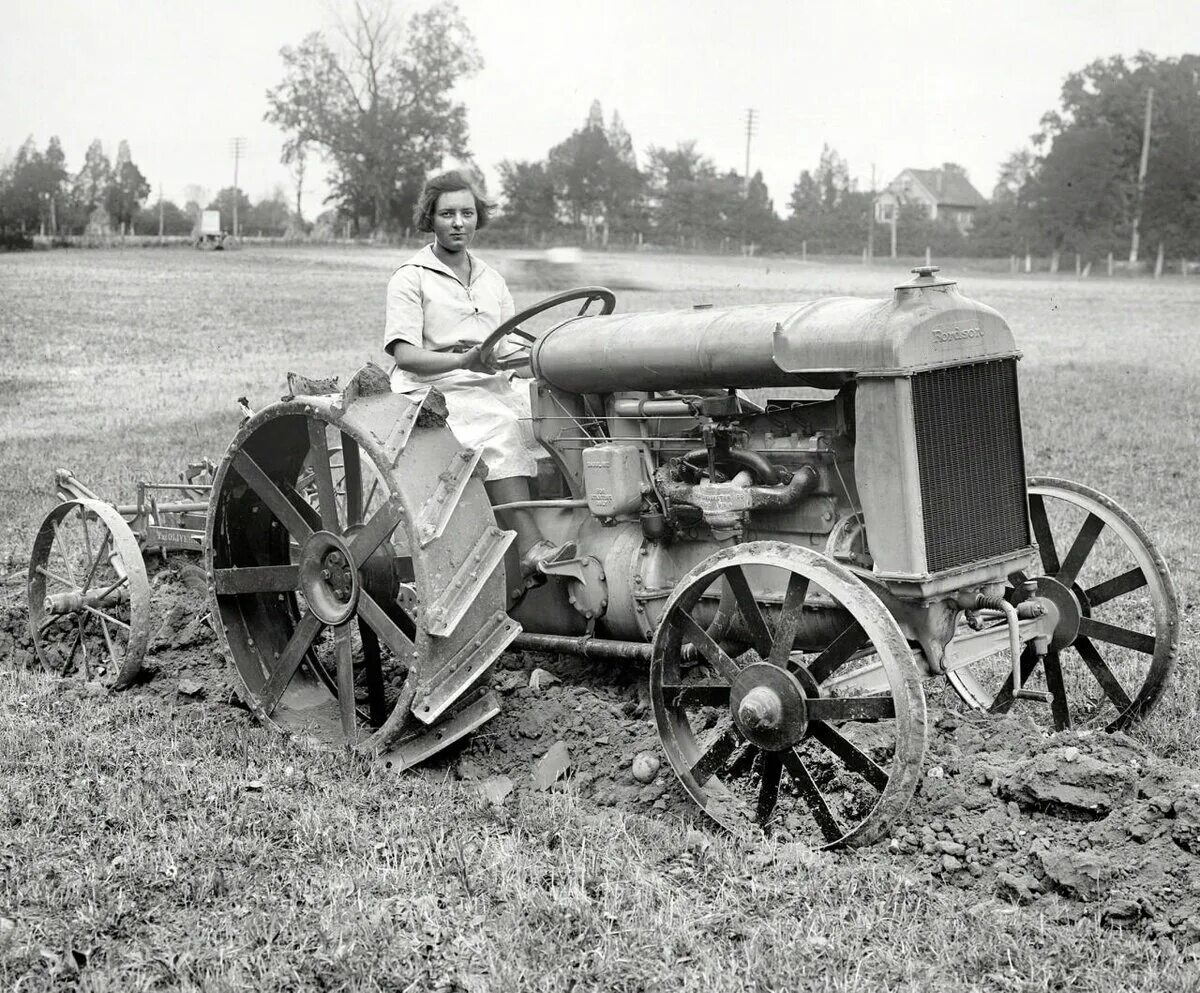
[{"x": 790, "y": 562}]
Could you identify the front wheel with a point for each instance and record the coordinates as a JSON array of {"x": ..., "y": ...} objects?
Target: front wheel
[
  {"x": 1115, "y": 644},
  {"x": 731, "y": 719}
]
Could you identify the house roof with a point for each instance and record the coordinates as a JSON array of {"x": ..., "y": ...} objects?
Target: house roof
[{"x": 948, "y": 188}]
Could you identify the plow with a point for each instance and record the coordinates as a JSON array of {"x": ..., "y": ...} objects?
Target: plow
[{"x": 795, "y": 517}]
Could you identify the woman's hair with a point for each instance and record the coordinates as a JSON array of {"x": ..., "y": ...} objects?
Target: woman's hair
[{"x": 450, "y": 181}]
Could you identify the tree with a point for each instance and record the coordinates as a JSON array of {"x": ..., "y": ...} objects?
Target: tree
[
  {"x": 381, "y": 108},
  {"x": 34, "y": 182},
  {"x": 269, "y": 217},
  {"x": 92, "y": 181},
  {"x": 528, "y": 194},
  {"x": 175, "y": 220},
  {"x": 1097, "y": 131},
  {"x": 127, "y": 190},
  {"x": 599, "y": 185}
]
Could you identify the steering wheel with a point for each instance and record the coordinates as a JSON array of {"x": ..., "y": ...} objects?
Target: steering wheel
[{"x": 523, "y": 340}]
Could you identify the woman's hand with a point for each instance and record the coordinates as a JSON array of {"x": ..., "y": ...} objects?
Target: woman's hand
[{"x": 472, "y": 360}]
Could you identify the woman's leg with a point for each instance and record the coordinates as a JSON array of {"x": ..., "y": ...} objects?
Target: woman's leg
[{"x": 532, "y": 546}]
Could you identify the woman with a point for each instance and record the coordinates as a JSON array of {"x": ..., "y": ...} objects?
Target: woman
[{"x": 441, "y": 304}]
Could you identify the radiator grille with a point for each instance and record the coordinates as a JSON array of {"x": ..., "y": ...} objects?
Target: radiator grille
[{"x": 971, "y": 461}]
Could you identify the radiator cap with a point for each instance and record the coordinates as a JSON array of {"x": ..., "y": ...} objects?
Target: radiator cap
[{"x": 924, "y": 277}]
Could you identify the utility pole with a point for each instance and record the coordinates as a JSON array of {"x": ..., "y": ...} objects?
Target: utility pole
[
  {"x": 1141, "y": 186},
  {"x": 751, "y": 121},
  {"x": 871, "y": 219},
  {"x": 238, "y": 147}
]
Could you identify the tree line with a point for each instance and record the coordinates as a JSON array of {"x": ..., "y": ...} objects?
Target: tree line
[
  {"x": 376, "y": 102},
  {"x": 39, "y": 194}
]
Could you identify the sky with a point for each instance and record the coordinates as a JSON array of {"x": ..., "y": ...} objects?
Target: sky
[{"x": 888, "y": 85}]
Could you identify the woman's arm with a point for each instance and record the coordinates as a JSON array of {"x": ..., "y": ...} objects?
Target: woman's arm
[{"x": 423, "y": 362}]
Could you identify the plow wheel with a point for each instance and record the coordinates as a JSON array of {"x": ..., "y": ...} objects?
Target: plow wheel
[
  {"x": 751, "y": 733},
  {"x": 356, "y": 573},
  {"x": 1115, "y": 642},
  {"x": 89, "y": 599}
]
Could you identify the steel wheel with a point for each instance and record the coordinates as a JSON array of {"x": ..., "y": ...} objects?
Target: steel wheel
[
  {"x": 733, "y": 723},
  {"x": 89, "y": 599},
  {"x": 1115, "y": 644},
  {"x": 355, "y": 568}
]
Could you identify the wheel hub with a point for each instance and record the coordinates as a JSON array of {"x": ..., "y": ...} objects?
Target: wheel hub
[
  {"x": 1064, "y": 601},
  {"x": 328, "y": 578},
  {"x": 768, "y": 706}
]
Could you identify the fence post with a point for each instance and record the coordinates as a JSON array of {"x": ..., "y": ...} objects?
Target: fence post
[
  {"x": 1158, "y": 262},
  {"x": 1078, "y": 264},
  {"x": 1110, "y": 264},
  {"x": 804, "y": 251},
  {"x": 1028, "y": 262},
  {"x": 928, "y": 257}
]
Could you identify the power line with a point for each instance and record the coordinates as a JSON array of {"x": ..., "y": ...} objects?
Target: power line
[{"x": 237, "y": 146}]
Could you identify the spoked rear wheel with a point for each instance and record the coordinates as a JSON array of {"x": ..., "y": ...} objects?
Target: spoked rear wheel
[
  {"x": 1115, "y": 644},
  {"x": 356, "y": 569},
  {"x": 733, "y": 720},
  {"x": 88, "y": 595}
]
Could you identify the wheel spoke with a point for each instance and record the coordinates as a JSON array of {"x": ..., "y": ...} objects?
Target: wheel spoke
[
  {"x": 318, "y": 445},
  {"x": 377, "y": 704},
  {"x": 344, "y": 649},
  {"x": 789, "y": 620},
  {"x": 96, "y": 561},
  {"x": 289, "y": 659},
  {"x": 257, "y": 579},
  {"x": 376, "y": 531},
  {"x": 1092, "y": 628},
  {"x": 1110, "y": 589},
  {"x": 1081, "y": 547},
  {"x": 1104, "y": 675},
  {"x": 106, "y": 617},
  {"x": 352, "y": 480},
  {"x": 707, "y": 647},
  {"x": 838, "y": 652},
  {"x": 812, "y": 796},
  {"x": 1058, "y": 692},
  {"x": 770, "y": 770},
  {"x": 58, "y": 543},
  {"x": 715, "y": 755},
  {"x": 750, "y": 611},
  {"x": 112, "y": 652},
  {"x": 119, "y": 581},
  {"x": 42, "y": 570},
  {"x": 850, "y": 708},
  {"x": 277, "y": 501},
  {"x": 1041, "y": 531},
  {"x": 387, "y": 629},
  {"x": 849, "y": 753},
  {"x": 701, "y": 693}
]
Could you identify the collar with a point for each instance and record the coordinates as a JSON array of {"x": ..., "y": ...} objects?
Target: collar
[{"x": 427, "y": 259}]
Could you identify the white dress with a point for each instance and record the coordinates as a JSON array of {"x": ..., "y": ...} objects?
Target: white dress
[{"x": 430, "y": 307}]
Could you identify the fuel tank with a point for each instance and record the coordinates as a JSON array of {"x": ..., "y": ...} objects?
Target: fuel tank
[{"x": 926, "y": 324}]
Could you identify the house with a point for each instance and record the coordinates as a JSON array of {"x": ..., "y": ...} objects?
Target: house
[{"x": 942, "y": 192}]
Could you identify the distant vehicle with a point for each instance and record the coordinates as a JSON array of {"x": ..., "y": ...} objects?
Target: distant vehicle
[{"x": 209, "y": 234}]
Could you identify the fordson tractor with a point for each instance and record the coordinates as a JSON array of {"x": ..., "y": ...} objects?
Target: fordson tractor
[{"x": 792, "y": 514}]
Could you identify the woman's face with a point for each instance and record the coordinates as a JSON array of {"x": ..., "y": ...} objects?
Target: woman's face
[{"x": 454, "y": 220}]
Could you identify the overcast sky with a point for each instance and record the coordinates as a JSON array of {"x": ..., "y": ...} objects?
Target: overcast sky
[{"x": 882, "y": 82}]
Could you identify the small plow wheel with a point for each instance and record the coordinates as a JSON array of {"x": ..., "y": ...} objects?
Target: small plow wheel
[
  {"x": 1115, "y": 644},
  {"x": 356, "y": 572},
  {"x": 739, "y": 703},
  {"x": 89, "y": 599}
]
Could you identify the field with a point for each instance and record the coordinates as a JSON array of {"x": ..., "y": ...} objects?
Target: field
[{"x": 155, "y": 843}]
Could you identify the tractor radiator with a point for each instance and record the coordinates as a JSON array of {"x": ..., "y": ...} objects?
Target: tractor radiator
[{"x": 971, "y": 462}]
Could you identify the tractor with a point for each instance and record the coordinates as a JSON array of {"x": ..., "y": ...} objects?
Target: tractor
[{"x": 794, "y": 516}]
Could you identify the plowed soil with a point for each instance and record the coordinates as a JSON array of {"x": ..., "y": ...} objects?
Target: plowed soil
[{"x": 1082, "y": 824}]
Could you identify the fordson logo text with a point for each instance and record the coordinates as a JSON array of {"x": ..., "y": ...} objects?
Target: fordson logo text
[{"x": 942, "y": 335}]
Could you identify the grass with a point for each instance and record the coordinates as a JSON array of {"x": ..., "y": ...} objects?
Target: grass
[{"x": 180, "y": 846}]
